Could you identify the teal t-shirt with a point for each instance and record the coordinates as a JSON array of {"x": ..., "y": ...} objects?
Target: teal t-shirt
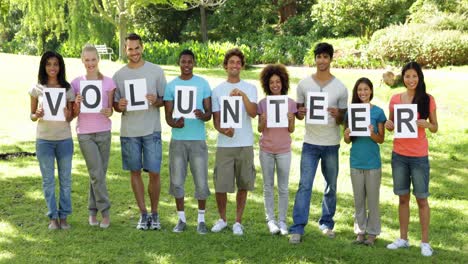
[
  {"x": 365, "y": 152},
  {"x": 194, "y": 129}
]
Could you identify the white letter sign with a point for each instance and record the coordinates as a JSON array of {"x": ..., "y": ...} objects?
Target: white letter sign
[
  {"x": 91, "y": 91},
  {"x": 359, "y": 119},
  {"x": 135, "y": 93},
  {"x": 405, "y": 116},
  {"x": 231, "y": 114},
  {"x": 277, "y": 111},
  {"x": 54, "y": 101},
  {"x": 185, "y": 101},
  {"x": 317, "y": 104}
]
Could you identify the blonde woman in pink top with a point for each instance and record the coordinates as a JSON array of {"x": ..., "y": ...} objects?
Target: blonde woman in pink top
[
  {"x": 410, "y": 163},
  {"x": 94, "y": 136}
]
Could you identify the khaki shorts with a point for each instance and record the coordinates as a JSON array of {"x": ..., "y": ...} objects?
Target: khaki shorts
[{"x": 234, "y": 164}]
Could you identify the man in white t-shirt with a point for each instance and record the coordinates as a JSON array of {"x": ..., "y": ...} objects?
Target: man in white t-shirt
[
  {"x": 321, "y": 142},
  {"x": 234, "y": 154}
]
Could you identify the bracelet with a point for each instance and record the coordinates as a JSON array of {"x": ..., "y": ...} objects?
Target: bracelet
[{"x": 33, "y": 117}]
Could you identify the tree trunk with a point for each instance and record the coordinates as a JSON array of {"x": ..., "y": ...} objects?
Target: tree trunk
[
  {"x": 122, "y": 35},
  {"x": 203, "y": 26},
  {"x": 286, "y": 9}
]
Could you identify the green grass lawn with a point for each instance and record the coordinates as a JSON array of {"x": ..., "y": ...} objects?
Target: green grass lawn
[{"x": 24, "y": 237}]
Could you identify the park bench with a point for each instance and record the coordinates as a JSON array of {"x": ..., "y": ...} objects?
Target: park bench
[{"x": 104, "y": 50}]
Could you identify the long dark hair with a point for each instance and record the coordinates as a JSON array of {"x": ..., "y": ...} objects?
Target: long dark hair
[
  {"x": 421, "y": 98},
  {"x": 271, "y": 70},
  {"x": 356, "y": 99},
  {"x": 42, "y": 76}
]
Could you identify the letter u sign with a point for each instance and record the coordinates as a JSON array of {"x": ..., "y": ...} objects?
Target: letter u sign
[{"x": 185, "y": 101}]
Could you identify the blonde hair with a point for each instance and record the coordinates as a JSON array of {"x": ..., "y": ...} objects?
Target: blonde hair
[{"x": 90, "y": 48}]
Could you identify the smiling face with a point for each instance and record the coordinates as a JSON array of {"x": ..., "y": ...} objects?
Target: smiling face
[
  {"x": 52, "y": 68},
  {"x": 411, "y": 79},
  {"x": 233, "y": 66},
  {"x": 323, "y": 61},
  {"x": 186, "y": 64},
  {"x": 134, "y": 50},
  {"x": 364, "y": 92},
  {"x": 90, "y": 60},
  {"x": 275, "y": 85}
]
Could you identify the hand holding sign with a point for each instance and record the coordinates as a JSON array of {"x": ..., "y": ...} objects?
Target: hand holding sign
[{"x": 123, "y": 104}]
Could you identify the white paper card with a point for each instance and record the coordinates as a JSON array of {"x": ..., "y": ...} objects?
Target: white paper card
[
  {"x": 231, "y": 111},
  {"x": 185, "y": 101},
  {"x": 277, "y": 110},
  {"x": 405, "y": 116},
  {"x": 54, "y": 101},
  {"x": 135, "y": 93},
  {"x": 91, "y": 91},
  {"x": 359, "y": 119},
  {"x": 317, "y": 104}
]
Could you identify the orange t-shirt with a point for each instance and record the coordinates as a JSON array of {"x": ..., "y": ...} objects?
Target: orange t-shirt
[{"x": 412, "y": 147}]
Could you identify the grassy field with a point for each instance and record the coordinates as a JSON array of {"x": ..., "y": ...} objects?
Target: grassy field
[{"x": 24, "y": 237}]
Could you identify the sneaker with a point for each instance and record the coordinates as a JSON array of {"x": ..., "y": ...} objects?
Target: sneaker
[
  {"x": 180, "y": 227},
  {"x": 220, "y": 225},
  {"x": 143, "y": 222},
  {"x": 426, "y": 249},
  {"x": 201, "y": 228},
  {"x": 328, "y": 232},
  {"x": 237, "y": 229},
  {"x": 64, "y": 224},
  {"x": 399, "y": 243},
  {"x": 53, "y": 224},
  {"x": 283, "y": 228},
  {"x": 153, "y": 222},
  {"x": 295, "y": 239},
  {"x": 92, "y": 220},
  {"x": 273, "y": 227}
]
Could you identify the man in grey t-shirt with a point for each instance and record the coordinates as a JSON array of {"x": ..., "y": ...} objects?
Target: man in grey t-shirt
[
  {"x": 321, "y": 142},
  {"x": 140, "y": 131}
]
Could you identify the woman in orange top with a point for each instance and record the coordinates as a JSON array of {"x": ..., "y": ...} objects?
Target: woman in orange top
[{"x": 410, "y": 163}]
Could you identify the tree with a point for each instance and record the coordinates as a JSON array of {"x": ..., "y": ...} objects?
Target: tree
[{"x": 286, "y": 9}]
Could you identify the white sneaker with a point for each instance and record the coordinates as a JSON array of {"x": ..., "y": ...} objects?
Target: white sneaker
[
  {"x": 426, "y": 249},
  {"x": 237, "y": 229},
  {"x": 399, "y": 243},
  {"x": 273, "y": 227},
  {"x": 283, "y": 228},
  {"x": 218, "y": 226}
]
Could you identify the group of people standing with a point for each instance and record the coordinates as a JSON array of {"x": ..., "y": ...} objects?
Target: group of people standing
[{"x": 141, "y": 146}]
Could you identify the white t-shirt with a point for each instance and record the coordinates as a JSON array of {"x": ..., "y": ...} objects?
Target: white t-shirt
[
  {"x": 243, "y": 137},
  {"x": 329, "y": 134}
]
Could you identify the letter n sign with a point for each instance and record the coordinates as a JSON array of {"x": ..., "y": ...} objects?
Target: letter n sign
[
  {"x": 405, "y": 116},
  {"x": 359, "y": 119},
  {"x": 135, "y": 93},
  {"x": 185, "y": 101},
  {"x": 54, "y": 101},
  {"x": 91, "y": 91},
  {"x": 277, "y": 110},
  {"x": 231, "y": 111}
]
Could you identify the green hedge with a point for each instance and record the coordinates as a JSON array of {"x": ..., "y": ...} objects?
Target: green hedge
[
  {"x": 209, "y": 54},
  {"x": 429, "y": 47}
]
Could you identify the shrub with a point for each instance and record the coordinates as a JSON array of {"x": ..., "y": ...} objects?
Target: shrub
[
  {"x": 209, "y": 54},
  {"x": 400, "y": 44}
]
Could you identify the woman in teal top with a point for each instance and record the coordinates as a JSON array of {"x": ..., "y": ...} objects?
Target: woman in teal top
[{"x": 366, "y": 166}]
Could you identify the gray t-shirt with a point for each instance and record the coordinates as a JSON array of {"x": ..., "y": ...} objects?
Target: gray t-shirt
[
  {"x": 51, "y": 130},
  {"x": 143, "y": 122},
  {"x": 329, "y": 134}
]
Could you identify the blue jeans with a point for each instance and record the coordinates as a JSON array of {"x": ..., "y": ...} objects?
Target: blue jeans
[
  {"x": 47, "y": 152},
  {"x": 311, "y": 154}
]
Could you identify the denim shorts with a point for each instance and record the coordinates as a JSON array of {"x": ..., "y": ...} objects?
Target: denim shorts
[
  {"x": 407, "y": 170},
  {"x": 142, "y": 152}
]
